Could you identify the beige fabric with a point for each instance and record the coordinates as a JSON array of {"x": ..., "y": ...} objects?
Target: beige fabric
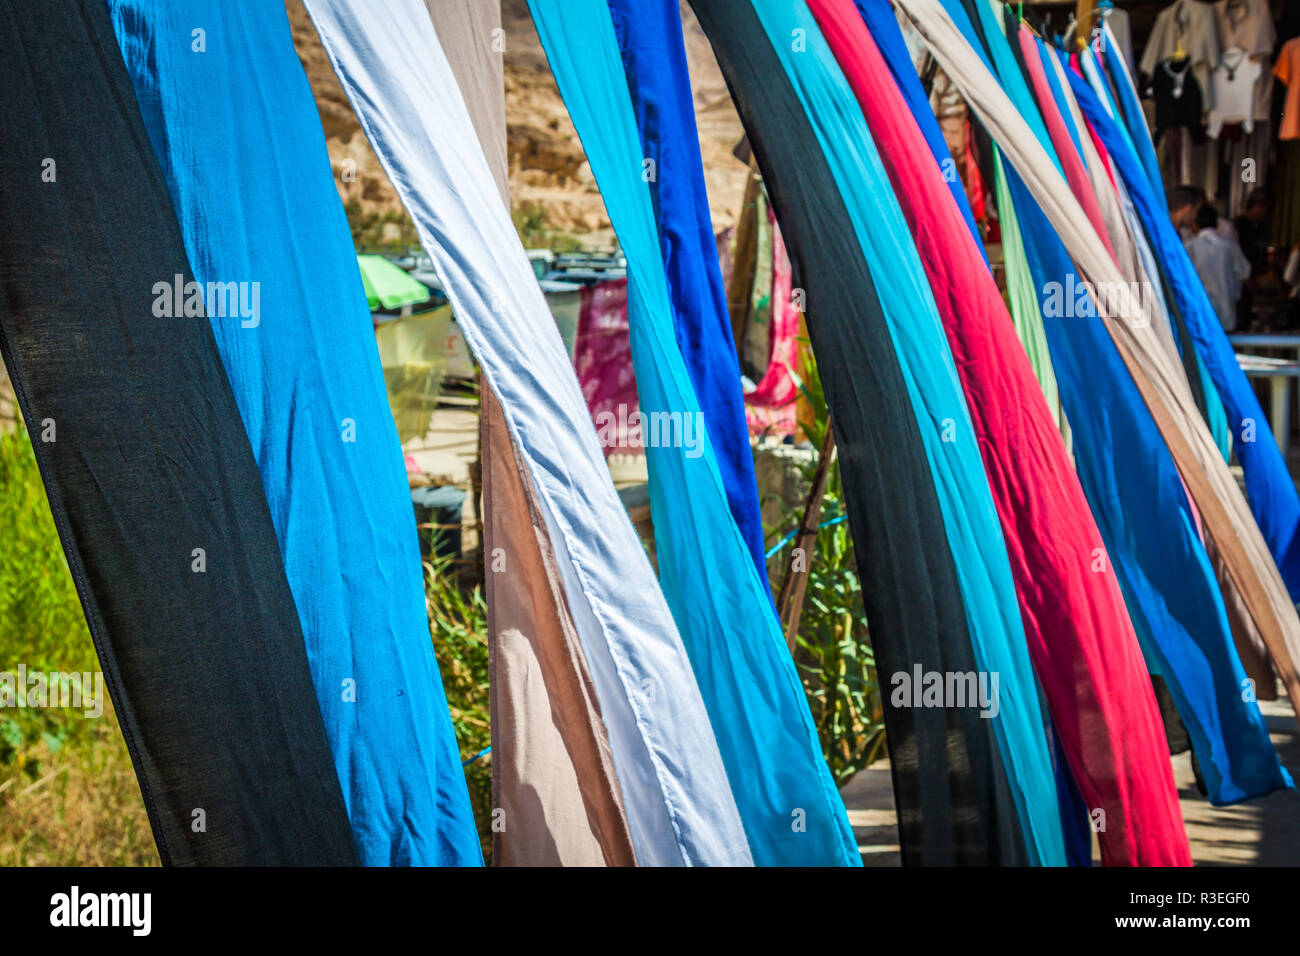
[
  {"x": 556, "y": 799},
  {"x": 1224, "y": 512}
]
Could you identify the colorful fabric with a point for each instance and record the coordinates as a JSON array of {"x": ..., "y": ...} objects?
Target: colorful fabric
[
  {"x": 678, "y": 801},
  {"x": 1082, "y": 643},
  {"x": 722, "y": 606},
  {"x": 654, "y": 61},
  {"x": 954, "y": 806},
  {"x": 602, "y": 356}
]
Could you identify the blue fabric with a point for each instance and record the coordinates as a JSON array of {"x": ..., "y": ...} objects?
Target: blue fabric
[
  {"x": 1150, "y": 533},
  {"x": 236, "y": 130},
  {"x": 1269, "y": 488},
  {"x": 1215, "y": 416},
  {"x": 1135, "y": 121},
  {"x": 883, "y": 24},
  {"x": 1138, "y": 138},
  {"x": 754, "y": 697},
  {"x": 654, "y": 59},
  {"x": 971, "y": 521}
]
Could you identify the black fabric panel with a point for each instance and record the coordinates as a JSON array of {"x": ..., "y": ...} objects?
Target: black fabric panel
[
  {"x": 954, "y": 806},
  {"x": 207, "y": 671}
]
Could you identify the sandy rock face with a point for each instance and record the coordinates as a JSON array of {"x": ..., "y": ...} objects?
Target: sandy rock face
[{"x": 548, "y": 169}]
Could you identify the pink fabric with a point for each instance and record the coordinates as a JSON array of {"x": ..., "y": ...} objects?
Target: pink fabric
[
  {"x": 1080, "y": 638},
  {"x": 1071, "y": 162},
  {"x": 602, "y": 356},
  {"x": 770, "y": 407}
]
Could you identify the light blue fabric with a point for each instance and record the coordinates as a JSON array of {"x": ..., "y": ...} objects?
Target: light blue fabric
[
  {"x": 971, "y": 521},
  {"x": 791, "y": 811},
  {"x": 236, "y": 130},
  {"x": 1269, "y": 488}
]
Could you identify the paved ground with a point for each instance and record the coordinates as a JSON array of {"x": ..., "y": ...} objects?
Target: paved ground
[{"x": 1265, "y": 831}]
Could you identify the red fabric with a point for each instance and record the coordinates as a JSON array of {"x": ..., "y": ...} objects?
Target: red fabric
[
  {"x": 770, "y": 407},
  {"x": 1071, "y": 162},
  {"x": 1080, "y": 638},
  {"x": 602, "y": 357}
]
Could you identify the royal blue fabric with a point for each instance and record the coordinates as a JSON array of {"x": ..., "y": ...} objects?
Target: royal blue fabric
[
  {"x": 236, "y": 129},
  {"x": 723, "y": 609},
  {"x": 1269, "y": 488},
  {"x": 971, "y": 521},
  {"x": 883, "y": 24},
  {"x": 1150, "y": 533},
  {"x": 654, "y": 60}
]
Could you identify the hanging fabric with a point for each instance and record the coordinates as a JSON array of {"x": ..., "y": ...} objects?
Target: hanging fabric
[
  {"x": 679, "y": 805},
  {"x": 654, "y": 60},
  {"x": 1195, "y": 657},
  {"x": 257, "y": 204},
  {"x": 949, "y": 784},
  {"x": 723, "y": 609},
  {"x": 1079, "y": 636},
  {"x": 553, "y": 774},
  {"x": 988, "y": 588},
  {"x": 152, "y": 483},
  {"x": 771, "y": 404},
  {"x": 1163, "y": 387}
]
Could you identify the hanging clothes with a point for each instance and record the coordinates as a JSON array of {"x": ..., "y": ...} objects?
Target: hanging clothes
[
  {"x": 1184, "y": 31},
  {"x": 771, "y": 404},
  {"x": 1247, "y": 25},
  {"x": 152, "y": 483},
  {"x": 1079, "y": 636},
  {"x": 553, "y": 773},
  {"x": 307, "y": 376},
  {"x": 949, "y": 783},
  {"x": 723, "y": 609},
  {"x": 602, "y": 358},
  {"x": 654, "y": 59},
  {"x": 678, "y": 802}
]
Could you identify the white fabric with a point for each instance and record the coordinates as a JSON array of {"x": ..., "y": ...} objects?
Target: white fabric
[
  {"x": 1161, "y": 381},
  {"x": 679, "y": 804},
  {"x": 1222, "y": 267}
]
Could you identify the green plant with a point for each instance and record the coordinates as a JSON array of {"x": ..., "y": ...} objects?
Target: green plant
[
  {"x": 534, "y": 232},
  {"x": 458, "y": 622},
  {"x": 832, "y": 650}
]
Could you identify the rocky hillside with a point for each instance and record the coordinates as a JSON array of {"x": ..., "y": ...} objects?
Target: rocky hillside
[{"x": 549, "y": 174}]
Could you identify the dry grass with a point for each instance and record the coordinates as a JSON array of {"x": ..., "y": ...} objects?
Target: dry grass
[{"x": 83, "y": 810}]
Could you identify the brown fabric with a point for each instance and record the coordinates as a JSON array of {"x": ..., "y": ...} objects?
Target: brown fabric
[
  {"x": 556, "y": 799},
  {"x": 1245, "y": 635}
]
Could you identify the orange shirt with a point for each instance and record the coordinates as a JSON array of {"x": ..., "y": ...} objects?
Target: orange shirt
[{"x": 1288, "y": 71}]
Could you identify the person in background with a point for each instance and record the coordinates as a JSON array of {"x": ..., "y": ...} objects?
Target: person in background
[
  {"x": 1184, "y": 202},
  {"x": 1220, "y": 264},
  {"x": 1255, "y": 235}
]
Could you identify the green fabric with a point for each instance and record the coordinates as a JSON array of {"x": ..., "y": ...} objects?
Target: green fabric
[
  {"x": 1023, "y": 299},
  {"x": 387, "y": 285}
]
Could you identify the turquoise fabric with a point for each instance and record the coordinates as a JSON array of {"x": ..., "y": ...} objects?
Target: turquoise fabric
[
  {"x": 974, "y": 533},
  {"x": 791, "y": 811}
]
